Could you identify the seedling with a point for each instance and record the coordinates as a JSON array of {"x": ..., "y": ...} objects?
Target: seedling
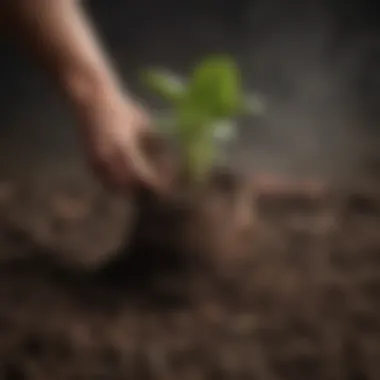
[{"x": 203, "y": 110}]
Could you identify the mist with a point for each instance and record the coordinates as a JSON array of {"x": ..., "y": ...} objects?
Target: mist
[
  {"x": 314, "y": 63},
  {"x": 313, "y": 82}
]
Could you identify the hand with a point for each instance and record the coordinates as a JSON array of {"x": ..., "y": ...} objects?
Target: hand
[{"x": 114, "y": 132}]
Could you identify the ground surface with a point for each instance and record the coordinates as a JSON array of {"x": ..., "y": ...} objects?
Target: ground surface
[{"x": 304, "y": 305}]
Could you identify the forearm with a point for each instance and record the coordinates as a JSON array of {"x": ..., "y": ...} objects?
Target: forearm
[{"x": 62, "y": 38}]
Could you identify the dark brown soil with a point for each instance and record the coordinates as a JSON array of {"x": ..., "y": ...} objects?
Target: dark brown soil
[{"x": 303, "y": 303}]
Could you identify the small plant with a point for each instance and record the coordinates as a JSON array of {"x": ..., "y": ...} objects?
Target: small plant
[{"x": 203, "y": 110}]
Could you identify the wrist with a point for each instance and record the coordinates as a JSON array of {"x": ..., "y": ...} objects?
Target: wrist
[{"x": 89, "y": 90}]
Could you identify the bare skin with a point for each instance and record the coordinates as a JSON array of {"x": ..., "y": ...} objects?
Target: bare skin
[{"x": 111, "y": 124}]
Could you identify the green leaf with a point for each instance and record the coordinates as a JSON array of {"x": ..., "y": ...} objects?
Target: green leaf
[
  {"x": 168, "y": 85},
  {"x": 215, "y": 87},
  {"x": 203, "y": 110}
]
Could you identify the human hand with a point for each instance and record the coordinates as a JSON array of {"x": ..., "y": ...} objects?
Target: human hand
[{"x": 114, "y": 132}]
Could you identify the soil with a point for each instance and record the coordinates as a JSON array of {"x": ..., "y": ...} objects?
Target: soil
[{"x": 84, "y": 297}]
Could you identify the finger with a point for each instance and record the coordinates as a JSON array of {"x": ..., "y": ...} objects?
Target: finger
[
  {"x": 111, "y": 171},
  {"x": 141, "y": 119},
  {"x": 159, "y": 157},
  {"x": 123, "y": 178},
  {"x": 144, "y": 174},
  {"x": 151, "y": 145}
]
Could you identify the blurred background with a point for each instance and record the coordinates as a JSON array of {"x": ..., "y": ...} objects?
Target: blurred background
[{"x": 315, "y": 63}]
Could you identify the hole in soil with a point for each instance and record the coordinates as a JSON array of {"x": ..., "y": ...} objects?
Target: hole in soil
[
  {"x": 135, "y": 272},
  {"x": 163, "y": 257},
  {"x": 189, "y": 237}
]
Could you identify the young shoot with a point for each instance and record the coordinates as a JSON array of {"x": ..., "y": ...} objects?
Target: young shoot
[{"x": 202, "y": 110}]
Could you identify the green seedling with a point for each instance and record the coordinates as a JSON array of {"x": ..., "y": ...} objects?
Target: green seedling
[{"x": 203, "y": 110}]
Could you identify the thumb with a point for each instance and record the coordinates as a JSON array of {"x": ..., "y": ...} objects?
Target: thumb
[
  {"x": 145, "y": 172},
  {"x": 156, "y": 157},
  {"x": 136, "y": 162}
]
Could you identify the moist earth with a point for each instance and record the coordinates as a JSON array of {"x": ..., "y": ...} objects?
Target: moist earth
[{"x": 77, "y": 302}]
